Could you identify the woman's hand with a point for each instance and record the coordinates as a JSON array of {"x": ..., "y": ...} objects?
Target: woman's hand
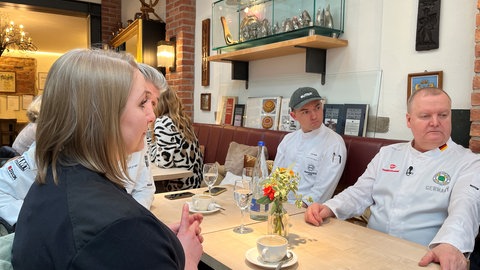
[
  {"x": 195, "y": 217},
  {"x": 188, "y": 232}
]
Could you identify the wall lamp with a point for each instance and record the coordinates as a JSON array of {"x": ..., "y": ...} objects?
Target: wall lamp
[{"x": 166, "y": 54}]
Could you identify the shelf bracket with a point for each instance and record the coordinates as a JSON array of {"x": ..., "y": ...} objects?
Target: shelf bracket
[
  {"x": 240, "y": 71},
  {"x": 316, "y": 61}
]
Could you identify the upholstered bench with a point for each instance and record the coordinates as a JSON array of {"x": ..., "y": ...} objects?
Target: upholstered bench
[{"x": 216, "y": 141}]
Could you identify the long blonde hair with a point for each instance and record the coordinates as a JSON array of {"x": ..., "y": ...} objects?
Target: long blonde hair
[
  {"x": 171, "y": 106},
  {"x": 85, "y": 94}
]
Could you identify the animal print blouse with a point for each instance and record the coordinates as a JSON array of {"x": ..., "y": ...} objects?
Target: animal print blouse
[{"x": 171, "y": 150}]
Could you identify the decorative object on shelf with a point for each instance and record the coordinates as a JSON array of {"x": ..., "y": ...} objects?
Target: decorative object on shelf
[
  {"x": 13, "y": 36},
  {"x": 149, "y": 8},
  {"x": 252, "y": 28},
  {"x": 424, "y": 79},
  {"x": 166, "y": 54},
  {"x": 276, "y": 188},
  {"x": 205, "y": 52},
  {"x": 205, "y": 101},
  {"x": 246, "y": 24},
  {"x": 324, "y": 19},
  {"x": 7, "y": 81},
  {"x": 428, "y": 25},
  {"x": 226, "y": 32}
]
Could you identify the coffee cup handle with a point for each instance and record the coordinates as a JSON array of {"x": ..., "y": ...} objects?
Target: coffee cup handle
[{"x": 264, "y": 253}]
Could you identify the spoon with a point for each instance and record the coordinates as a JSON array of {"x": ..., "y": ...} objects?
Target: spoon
[{"x": 285, "y": 259}]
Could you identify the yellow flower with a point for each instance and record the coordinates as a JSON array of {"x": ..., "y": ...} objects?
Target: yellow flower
[{"x": 279, "y": 184}]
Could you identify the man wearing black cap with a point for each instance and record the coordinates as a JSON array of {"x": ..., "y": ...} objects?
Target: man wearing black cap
[{"x": 316, "y": 152}]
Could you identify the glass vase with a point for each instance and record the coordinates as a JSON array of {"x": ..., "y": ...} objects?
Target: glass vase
[{"x": 278, "y": 219}]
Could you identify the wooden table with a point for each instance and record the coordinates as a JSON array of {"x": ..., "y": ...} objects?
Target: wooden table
[
  {"x": 334, "y": 245},
  {"x": 169, "y": 211},
  {"x": 160, "y": 174}
]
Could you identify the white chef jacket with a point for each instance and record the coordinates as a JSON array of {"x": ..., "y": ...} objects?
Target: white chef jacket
[
  {"x": 17, "y": 175},
  {"x": 318, "y": 157},
  {"x": 411, "y": 194}
]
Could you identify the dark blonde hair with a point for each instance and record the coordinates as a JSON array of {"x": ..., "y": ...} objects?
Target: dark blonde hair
[
  {"x": 171, "y": 106},
  {"x": 85, "y": 94}
]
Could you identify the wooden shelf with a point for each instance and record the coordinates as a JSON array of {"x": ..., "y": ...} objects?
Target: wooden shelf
[{"x": 281, "y": 48}]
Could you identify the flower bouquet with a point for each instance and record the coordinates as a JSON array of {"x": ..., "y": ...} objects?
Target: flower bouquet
[{"x": 275, "y": 190}]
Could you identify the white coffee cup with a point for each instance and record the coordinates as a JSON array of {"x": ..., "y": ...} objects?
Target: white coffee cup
[
  {"x": 200, "y": 202},
  {"x": 272, "y": 248}
]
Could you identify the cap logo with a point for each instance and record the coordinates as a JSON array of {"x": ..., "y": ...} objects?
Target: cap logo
[{"x": 306, "y": 95}]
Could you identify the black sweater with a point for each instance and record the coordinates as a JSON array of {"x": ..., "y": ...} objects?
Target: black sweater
[{"x": 87, "y": 222}]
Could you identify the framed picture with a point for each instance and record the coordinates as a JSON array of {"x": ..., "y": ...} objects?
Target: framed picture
[
  {"x": 42, "y": 77},
  {"x": 26, "y": 101},
  {"x": 205, "y": 102},
  {"x": 7, "y": 81},
  {"x": 424, "y": 79},
  {"x": 13, "y": 103},
  {"x": 238, "y": 115}
]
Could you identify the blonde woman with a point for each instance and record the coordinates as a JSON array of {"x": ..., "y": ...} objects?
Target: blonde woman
[
  {"x": 174, "y": 144},
  {"x": 27, "y": 135},
  {"x": 95, "y": 112}
]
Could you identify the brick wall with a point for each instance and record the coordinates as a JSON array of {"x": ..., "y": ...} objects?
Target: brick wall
[
  {"x": 25, "y": 71},
  {"x": 111, "y": 18},
  {"x": 475, "y": 111},
  {"x": 180, "y": 21}
]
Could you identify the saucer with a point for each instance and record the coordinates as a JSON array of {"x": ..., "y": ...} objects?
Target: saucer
[
  {"x": 252, "y": 256},
  {"x": 211, "y": 209}
]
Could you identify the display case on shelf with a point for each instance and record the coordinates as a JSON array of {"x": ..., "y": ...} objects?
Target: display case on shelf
[
  {"x": 240, "y": 24},
  {"x": 246, "y": 30}
]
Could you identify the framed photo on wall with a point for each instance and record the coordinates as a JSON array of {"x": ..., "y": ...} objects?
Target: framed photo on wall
[
  {"x": 42, "y": 77},
  {"x": 7, "y": 81},
  {"x": 205, "y": 102},
  {"x": 424, "y": 79}
]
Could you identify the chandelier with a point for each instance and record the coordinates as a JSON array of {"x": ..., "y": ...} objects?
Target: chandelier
[{"x": 12, "y": 36}]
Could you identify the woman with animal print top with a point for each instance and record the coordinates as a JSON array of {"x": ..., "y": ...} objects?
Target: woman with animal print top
[{"x": 174, "y": 144}]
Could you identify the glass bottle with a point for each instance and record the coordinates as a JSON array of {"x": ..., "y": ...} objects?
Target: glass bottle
[{"x": 260, "y": 173}]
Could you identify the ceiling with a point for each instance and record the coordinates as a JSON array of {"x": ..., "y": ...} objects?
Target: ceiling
[{"x": 51, "y": 32}]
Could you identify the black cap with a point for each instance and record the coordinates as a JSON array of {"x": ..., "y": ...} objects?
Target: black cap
[{"x": 302, "y": 96}]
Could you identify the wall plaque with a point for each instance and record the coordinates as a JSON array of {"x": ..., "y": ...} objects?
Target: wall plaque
[
  {"x": 205, "y": 52},
  {"x": 7, "y": 81}
]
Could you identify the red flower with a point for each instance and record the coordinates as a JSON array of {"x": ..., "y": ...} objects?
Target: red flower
[{"x": 269, "y": 192}]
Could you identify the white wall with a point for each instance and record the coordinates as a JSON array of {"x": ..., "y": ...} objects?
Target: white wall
[{"x": 379, "y": 56}]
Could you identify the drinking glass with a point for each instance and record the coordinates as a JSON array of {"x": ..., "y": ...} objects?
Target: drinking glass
[
  {"x": 242, "y": 194},
  {"x": 210, "y": 174}
]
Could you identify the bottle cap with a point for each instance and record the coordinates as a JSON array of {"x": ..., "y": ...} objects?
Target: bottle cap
[{"x": 261, "y": 143}]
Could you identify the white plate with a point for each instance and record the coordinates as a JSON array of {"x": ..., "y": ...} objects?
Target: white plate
[
  {"x": 252, "y": 256},
  {"x": 211, "y": 209}
]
